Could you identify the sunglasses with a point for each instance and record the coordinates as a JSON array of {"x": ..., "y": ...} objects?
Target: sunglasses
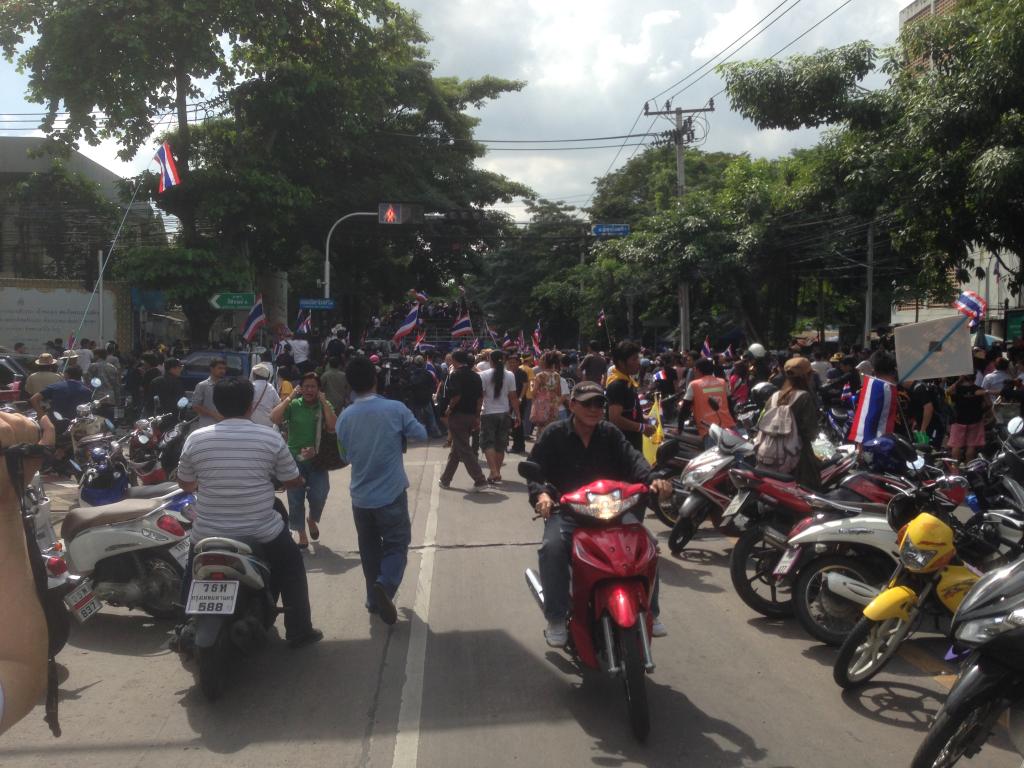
[{"x": 598, "y": 402}]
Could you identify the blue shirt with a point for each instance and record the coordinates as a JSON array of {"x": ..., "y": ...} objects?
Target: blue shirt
[
  {"x": 65, "y": 396},
  {"x": 370, "y": 433}
]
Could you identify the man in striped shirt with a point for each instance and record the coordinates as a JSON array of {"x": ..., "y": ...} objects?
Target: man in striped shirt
[{"x": 230, "y": 466}]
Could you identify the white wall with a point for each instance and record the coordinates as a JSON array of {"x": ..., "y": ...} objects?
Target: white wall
[{"x": 34, "y": 315}]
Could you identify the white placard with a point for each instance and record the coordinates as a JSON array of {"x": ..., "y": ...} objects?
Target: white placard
[{"x": 934, "y": 349}]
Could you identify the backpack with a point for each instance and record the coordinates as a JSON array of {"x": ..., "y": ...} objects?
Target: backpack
[{"x": 778, "y": 443}]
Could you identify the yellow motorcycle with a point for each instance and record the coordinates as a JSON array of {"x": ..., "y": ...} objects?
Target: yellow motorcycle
[{"x": 928, "y": 585}]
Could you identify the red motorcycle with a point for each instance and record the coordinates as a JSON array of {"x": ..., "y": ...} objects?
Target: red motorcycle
[{"x": 614, "y": 564}]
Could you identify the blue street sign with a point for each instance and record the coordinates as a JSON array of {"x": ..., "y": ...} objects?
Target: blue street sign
[
  {"x": 316, "y": 303},
  {"x": 610, "y": 230}
]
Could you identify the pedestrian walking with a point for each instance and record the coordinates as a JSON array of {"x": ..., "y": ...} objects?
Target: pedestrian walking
[
  {"x": 547, "y": 392},
  {"x": 500, "y": 413},
  {"x": 465, "y": 398},
  {"x": 264, "y": 397},
  {"x": 335, "y": 384},
  {"x": 371, "y": 436},
  {"x": 308, "y": 414}
]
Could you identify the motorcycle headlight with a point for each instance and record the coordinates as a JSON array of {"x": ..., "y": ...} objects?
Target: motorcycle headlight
[
  {"x": 605, "y": 506},
  {"x": 980, "y": 631},
  {"x": 913, "y": 558},
  {"x": 701, "y": 473}
]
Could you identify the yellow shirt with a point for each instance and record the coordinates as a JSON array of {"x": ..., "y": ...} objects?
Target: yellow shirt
[
  {"x": 286, "y": 389},
  {"x": 528, "y": 370}
]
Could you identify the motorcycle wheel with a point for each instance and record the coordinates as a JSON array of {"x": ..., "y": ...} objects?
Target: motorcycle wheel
[
  {"x": 867, "y": 650},
  {"x": 668, "y": 516},
  {"x": 827, "y": 617},
  {"x": 751, "y": 565},
  {"x": 631, "y": 658},
  {"x": 165, "y": 575},
  {"x": 213, "y": 667},
  {"x": 953, "y": 736}
]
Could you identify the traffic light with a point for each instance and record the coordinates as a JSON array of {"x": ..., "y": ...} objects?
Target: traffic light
[
  {"x": 464, "y": 215},
  {"x": 399, "y": 213}
]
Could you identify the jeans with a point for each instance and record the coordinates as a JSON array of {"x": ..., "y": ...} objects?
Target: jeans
[
  {"x": 287, "y": 579},
  {"x": 555, "y": 574},
  {"x": 461, "y": 425},
  {"x": 425, "y": 415},
  {"x": 318, "y": 485},
  {"x": 525, "y": 408},
  {"x": 384, "y": 535}
]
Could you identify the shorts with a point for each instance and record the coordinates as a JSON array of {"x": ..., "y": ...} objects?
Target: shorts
[
  {"x": 494, "y": 430},
  {"x": 967, "y": 435}
]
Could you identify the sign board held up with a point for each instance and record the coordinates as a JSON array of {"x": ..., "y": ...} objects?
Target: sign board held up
[{"x": 934, "y": 349}]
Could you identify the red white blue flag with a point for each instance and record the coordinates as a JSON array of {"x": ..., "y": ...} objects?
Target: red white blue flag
[
  {"x": 420, "y": 338},
  {"x": 537, "y": 340},
  {"x": 660, "y": 375},
  {"x": 522, "y": 342},
  {"x": 508, "y": 342},
  {"x": 408, "y": 325},
  {"x": 257, "y": 319},
  {"x": 304, "y": 324},
  {"x": 491, "y": 334},
  {"x": 972, "y": 305},
  {"x": 419, "y": 296},
  {"x": 706, "y": 349},
  {"x": 876, "y": 410},
  {"x": 462, "y": 327},
  {"x": 168, "y": 170}
]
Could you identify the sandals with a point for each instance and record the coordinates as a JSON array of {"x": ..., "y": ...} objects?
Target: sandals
[{"x": 314, "y": 530}]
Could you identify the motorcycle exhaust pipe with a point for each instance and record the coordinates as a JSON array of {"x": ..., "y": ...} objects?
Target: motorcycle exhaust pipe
[
  {"x": 609, "y": 645},
  {"x": 535, "y": 588},
  {"x": 776, "y": 538},
  {"x": 645, "y": 636},
  {"x": 128, "y": 595},
  {"x": 854, "y": 590}
]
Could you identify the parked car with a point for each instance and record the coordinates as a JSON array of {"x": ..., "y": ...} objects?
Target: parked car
[{"x": 196, "y": 365}]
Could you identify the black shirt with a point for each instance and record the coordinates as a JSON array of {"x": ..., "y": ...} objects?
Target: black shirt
[
  {"x": 622, "y": 393},
  {"x": 521, "y": 381},
  {"x": 666, "y": 386},
  {"x": 465, "y": 382},
  {"x": 967, "y": 406},
  {"x": 568, "y": 465},
  {"x": 170, "y": 389},
  {"x": 592, "y": 368}
]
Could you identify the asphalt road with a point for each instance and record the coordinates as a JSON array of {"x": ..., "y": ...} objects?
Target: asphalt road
[{"x": 465, "y": 679}]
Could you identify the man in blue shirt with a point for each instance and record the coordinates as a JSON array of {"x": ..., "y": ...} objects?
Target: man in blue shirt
[
  {"x": 64, "y": 397},
  {"x": 371, "y": 437}
]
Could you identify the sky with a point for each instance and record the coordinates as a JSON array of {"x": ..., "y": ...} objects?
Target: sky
[{"x": 589, "y": 66}]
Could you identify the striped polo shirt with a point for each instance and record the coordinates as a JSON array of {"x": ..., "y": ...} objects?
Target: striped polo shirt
[{"x": 234, "y": 462}]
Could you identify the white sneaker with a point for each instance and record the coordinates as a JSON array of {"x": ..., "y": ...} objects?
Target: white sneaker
[
  {"x": 557, "y": 634},
  {"x": 658, "y": 630}
]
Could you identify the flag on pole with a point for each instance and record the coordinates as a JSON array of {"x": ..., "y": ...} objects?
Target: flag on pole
[
  {"x": 256, "y": 319},
  {"x": 475, "y": 346},
  {"x": 168, "y": 170},
  {"x": 508, "y": 342},
  {"x": 420, "y": 338},
  {"x": 408, "y": 325},
  {"x": 971, "y": 304},
  {"x": 876, "y": 410},
  {"x": 419, "y": 296},
  {"x": 462, "y": 327},
  {"x": 536, "y": 340},
  {"x": 304, "y": 324},
  {"x": 600, "y": 319},
  {"x": 492, "y": 334},
  {"x": 522, "y": 341},
  {"x": 650, "y": 444},
  {"x": 705, "y": 350}
]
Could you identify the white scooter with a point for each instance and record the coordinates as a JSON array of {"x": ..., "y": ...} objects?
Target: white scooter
[{"x": 130, "y": 554}]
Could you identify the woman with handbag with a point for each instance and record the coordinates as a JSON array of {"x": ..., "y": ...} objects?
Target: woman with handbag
[{"x": 311, "y": 421}]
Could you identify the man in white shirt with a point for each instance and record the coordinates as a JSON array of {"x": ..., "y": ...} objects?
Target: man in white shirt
[
  {"x": 264, "y": 396},
  {"x": 993, "y": 382},
  {"x": 231, "y": 466}
]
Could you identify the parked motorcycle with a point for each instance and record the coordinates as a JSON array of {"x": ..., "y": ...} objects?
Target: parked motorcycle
[
  {"x": 989, "y": 627},
  {"x": 155, "y": 445},
  {"x": 614, "y": 565},
  {"x": 130, "y": 553}
]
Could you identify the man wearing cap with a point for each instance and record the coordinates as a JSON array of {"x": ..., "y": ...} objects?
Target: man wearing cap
[
  {"x": 45, "y": 375},
  {"x": 572, "y": 453}
]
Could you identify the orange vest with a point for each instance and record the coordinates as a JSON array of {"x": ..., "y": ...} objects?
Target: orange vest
[{"x": 705, "y": 388}]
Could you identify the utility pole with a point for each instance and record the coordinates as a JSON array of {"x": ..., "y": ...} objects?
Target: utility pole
[
  {"x": 871, "y": 285},
  {"x": 682, "y": 135}
]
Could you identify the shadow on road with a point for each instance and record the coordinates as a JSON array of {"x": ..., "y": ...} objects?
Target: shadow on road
[
  {"x": 323, "y": 559},
  {"x": 788, "y": 629},
  {"x": 697, "y": 556},
  {"x": 115, "y": 630},
  {"x": 677, "y": 575},
  {"x": 894, "y": 703}
]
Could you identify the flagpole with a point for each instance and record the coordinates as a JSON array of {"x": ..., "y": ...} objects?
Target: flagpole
[{"x": 608, "y": 333}]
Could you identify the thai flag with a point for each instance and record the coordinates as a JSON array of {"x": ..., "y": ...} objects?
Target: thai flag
[
  {"x": 408, "y": 325},
  {"x": 168, "y": 170},
  {"x": 600, "y": 319},
  {"x": 304, "y": 324},
  {"x": 876, "y": 410},
  {"x": 420, "y": 296},
  {"x": 420, "y": 338},
  {"x": 256, "y": 319},
  {"x": 972, "y": 305},
  {"x": 522, "y": 341},
  {"x": 462, "y": 327},
  {"x": 847, "y": 394},
  {"x": 537, "y": 339},
  {"x": 508, "y": 342},
  {"x": 475, "y": 346},
  {"x": 660, "y": 375},
  {"x": 492, "y": 334},
  {"x": 706, "y": 349}
]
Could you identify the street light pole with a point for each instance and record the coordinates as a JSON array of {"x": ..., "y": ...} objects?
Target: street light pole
[{"x": 327, "y": 248}]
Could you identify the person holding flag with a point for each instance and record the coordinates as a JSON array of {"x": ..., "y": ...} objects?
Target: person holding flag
[
  {"x": 878, "y": 401},
  {"x": 622, "y": 391},
  {"x": 408, "y": 325},
  {"x": 537, "y": 351}
]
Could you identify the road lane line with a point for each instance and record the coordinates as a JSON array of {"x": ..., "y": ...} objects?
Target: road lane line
[{"x": 407, "y": 737}]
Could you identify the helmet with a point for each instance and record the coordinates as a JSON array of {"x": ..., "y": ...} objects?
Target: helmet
[
  {"x": 888, "y": 453},
  {"x": 761, "y": 393},
  {"x": 374, "y": 359},
  {"x": 757, "y": 350}
]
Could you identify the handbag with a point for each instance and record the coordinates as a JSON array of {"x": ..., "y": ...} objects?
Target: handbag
[{"x": 328, "y": 456}]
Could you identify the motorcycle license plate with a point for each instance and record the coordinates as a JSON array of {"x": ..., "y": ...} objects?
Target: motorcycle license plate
[
  {"x": 787, "y": 561},
  {"x": 82, "y": 602},
  {"x": 735, "y": 506},
  {"x": 216, "y": 597},
  {"x": 180, "y": 552}
]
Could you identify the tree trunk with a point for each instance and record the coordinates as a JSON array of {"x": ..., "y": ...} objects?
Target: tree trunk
[{"x": 201, "y": 317}]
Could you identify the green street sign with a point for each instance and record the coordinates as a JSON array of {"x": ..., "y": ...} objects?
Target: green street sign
[{"x": 233, "y": 300}]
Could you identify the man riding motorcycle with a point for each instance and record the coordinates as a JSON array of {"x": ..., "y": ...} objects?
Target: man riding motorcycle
[
  {"x": 230, "y": 467},
  {"x": 573, "y": 453}
]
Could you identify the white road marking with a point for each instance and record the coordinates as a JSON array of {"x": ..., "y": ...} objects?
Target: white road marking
[{"x": 407, "y": 738}]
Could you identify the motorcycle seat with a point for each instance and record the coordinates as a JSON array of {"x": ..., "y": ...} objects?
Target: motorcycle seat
[
  {"x": 152, "y": 491},
  {"x": 83, "y": 518},
  {"x": 776, "y": 475}
]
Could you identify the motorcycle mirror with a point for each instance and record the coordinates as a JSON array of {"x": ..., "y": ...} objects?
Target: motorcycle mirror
[
  {"x": 96, "y": 383},
  {"x": 531, "y": 471},
  {"x": 183, "y": 402},
  {"x": 1016, "y": 425},
  {"x": 917, "y": 464}
]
